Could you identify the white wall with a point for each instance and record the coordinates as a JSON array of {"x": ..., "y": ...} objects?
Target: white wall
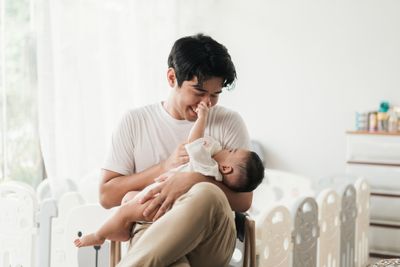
[{"x": 304, "y": 68}]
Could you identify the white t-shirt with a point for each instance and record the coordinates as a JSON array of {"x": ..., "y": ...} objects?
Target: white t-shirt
[{"x": 148, "y": 135}]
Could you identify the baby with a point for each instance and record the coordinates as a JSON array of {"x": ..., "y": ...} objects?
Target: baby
[{"x": 239, "y": 169}]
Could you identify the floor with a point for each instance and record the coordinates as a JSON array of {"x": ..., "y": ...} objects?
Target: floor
[{"x": 375, "y": 260}]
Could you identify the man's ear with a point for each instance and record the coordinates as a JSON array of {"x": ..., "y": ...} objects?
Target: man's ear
[
  {"x": 225, "y": 169},
  {"x": 171, "y": 77}
]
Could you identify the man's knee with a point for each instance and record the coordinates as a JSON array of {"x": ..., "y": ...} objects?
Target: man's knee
[
  {"x": 209, "y": 195},
  {"x": 207, "y": 190}
]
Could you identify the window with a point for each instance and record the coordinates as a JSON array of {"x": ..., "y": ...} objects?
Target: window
[{"x": 20, "y": 157}]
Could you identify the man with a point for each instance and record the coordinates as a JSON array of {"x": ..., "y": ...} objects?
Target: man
[{"x": 192, "y": 220}]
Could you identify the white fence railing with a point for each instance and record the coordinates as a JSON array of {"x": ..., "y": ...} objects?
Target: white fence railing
[{"x": 296, "y": 225}]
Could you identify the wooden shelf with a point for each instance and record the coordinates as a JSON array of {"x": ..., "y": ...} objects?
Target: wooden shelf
[
  {"x": 385, "y": 224},
  {"x": 384, "y": 193},
  {"x": 373, "y": 133},
  {"x": 383, "y": 254},
  {"x": 373, "y": 163}
]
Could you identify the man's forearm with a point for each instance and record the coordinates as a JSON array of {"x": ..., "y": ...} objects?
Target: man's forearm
[{"x": 114, "y": 186}]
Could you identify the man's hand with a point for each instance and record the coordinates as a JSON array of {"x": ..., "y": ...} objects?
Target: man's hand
[
  {"x": 168, "y": 191},
  {"x": 177, "y": 158},
  {"x": 137, "y": 213}
]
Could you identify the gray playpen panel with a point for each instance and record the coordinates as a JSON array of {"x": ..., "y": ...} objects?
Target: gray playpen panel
[
  {"x": 348, "y": 227},
  {"x": 305, "y": 234}
]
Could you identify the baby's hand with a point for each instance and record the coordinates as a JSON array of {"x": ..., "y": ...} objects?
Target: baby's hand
[{"x": 202, "y": 110}]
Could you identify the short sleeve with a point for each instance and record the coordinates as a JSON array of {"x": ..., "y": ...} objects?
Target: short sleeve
[
  {"x": 236, "y": 134},
  {"x": 120, "y": 157}
]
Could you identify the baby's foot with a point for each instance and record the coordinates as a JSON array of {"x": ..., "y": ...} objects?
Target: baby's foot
[{"x": 89, "y": 240}]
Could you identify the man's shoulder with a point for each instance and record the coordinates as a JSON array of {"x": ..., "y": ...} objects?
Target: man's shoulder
[
  {"x": 146, "y": 108},
  {"x": 143, "y": 111},
  {"x": 140, "y": 115},
  {"x": 222, "y": 111}
]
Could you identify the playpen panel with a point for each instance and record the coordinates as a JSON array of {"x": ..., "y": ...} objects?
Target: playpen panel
[
  {"x": 305, "y": 233},
  {"x": 348, "y": 227},
  {"x": 289, "y": 185},
  {"x": 43, "y": 190},
  {"x": 274, "y": 237},
  {"x": 66, "y": 204},
  {"x": 264, "y": 197},
  {"x": 18, "y": 207},
  {"x": 362, "y": 223},
  {"x": 85, "y": 219},
  {"x": 329, "y": 222},
  {"x": 48, "y": 210}
]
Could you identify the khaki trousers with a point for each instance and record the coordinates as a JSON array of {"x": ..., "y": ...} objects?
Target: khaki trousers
[{"x": 199, "y": 230}]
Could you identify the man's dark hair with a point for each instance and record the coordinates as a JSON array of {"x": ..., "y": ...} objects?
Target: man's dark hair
[
  {"x": 201, "y": 56},
  {"x": 251, "y": 174}
]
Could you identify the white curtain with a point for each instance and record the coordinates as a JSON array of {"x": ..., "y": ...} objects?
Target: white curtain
[{"x": 96, "y": 59}]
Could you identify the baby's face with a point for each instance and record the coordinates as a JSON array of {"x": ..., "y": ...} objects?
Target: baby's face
[{"x": 231, "y": 157}]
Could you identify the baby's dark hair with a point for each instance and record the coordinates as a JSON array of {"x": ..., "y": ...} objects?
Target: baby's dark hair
[
  {"x": 251, "y": 174},
  {"x": 201, "y": 56}
]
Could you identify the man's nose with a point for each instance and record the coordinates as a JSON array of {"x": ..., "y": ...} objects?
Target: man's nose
[{"x": 206, "y": 99}]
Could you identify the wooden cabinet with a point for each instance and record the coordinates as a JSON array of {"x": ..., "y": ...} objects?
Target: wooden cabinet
[{"x": 376, "y": 157}]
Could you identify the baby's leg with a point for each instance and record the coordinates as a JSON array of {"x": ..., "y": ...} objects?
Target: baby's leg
[
  {"x": 92, "y": 239},
  {"x": 116, "y": 228},
  {"x": 145, "y": 190},
  {"x": 128, "y": 196}
]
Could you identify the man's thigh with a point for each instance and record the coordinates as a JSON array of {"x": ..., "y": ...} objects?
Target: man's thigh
[{"x": 200, "y": 225}]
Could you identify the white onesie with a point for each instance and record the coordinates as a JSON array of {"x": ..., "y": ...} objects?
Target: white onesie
[{"x": 200, "y": 154}]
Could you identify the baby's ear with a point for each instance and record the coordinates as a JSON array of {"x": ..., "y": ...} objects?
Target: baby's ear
[{"x": 225, "y": 169}]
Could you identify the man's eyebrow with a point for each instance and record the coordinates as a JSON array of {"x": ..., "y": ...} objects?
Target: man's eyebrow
[{"x": 199, "y": 88}]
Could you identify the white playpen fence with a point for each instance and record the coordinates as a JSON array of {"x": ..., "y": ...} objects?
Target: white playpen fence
[{"x": 296, "y": 225}]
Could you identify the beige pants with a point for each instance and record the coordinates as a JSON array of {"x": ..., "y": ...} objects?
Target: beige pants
[{"x": 198, "y": 231}]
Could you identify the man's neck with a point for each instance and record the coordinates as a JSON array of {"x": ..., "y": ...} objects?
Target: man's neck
[{"x": 168, "y": 108}]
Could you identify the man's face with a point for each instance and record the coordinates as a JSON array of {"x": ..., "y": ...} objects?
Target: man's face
[{"x": 186, "y": 98}]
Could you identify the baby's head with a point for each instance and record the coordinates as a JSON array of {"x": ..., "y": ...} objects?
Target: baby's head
[{"x": 242, "y": 170}]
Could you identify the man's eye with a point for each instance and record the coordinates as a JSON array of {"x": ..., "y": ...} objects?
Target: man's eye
[{"x": 214, "y": 96}]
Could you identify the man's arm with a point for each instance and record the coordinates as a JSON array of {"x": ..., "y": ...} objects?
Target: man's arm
[
  {"x": 114, "y": 186},
  {"x": 179, "y": 183}
]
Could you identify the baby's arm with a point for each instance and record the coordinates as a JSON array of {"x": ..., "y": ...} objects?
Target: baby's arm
[{"x": 199, "y": 126}]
